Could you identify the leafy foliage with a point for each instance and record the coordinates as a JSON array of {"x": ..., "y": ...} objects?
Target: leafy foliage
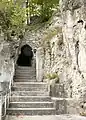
[
  {"x": 44, "y": 8},
  {"x": 12, "y": 14},
  {"x": 12, "y": 17},
  {"x": 51, "y": 76}
]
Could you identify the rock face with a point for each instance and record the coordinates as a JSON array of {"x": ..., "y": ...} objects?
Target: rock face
[
  {"x": 65, "y": 52},
  {"x": 74, "y": 35},
  {"x": 70, "y": 55},
  {"x": 70, "y": 60},
  {"x": 63, "y": 45},
  {"x": 51, "y": 117},
  {"x": 8, "y": 56}
]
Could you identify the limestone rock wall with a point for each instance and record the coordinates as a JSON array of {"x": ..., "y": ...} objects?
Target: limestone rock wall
[
  {"x": 63, "y": 41},
  {"x": 53, "y": 46},
  {"x": 74, "y": 36},
  {"x": 8, "y": 56},
  {"x": 65, "y": 53}
]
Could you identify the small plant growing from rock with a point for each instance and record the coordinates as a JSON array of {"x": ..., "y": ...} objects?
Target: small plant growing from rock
[
  {"x": 52, "y": 78},
  {"x": 83, "y": 108}
]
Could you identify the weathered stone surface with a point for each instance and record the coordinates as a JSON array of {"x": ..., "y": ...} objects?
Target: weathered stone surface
[
  {"x": 74, "y": 41},
  {"x": 8, "y": 56},
  {"x": 52, "y": 117},
  {"x": 63, "y": 41},
  {"x": 65, "y": 51},
  {"x": 66, "y": 105},
  {"x": 39, "y": 64},
  {"x": 57, "y": 90},
  {"x": 4, "y": 86}
]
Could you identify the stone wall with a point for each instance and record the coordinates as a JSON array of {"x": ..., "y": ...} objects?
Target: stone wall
[
  {"x": 62, "y": 40},
  {"x": 8, "y": 56},
  {"x": 42, "y": 36},
  {"x": 66, "y": 51},
  {"x": 74, "y": 35}
]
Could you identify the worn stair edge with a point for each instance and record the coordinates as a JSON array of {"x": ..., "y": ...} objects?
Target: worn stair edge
[
  {"x": 29, "y": 98},
  {"x": 31, "y": 111},
  {"x": 30, "y": 83},
  {"x": 29, "y": 93},
  {"x": 31, "y": 105},
  {"x": 25, "y": 77},
  {"x": 32, "y": 96},
  {"x": 31, "y": 102},
  {"x": 24, "y": 80},
  {"x": 45, "y": 89}
]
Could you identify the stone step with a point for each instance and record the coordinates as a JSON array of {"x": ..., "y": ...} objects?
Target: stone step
[
  {"x": 25, "y": 76},
  {"x": 31, "y": 104},
  {"x": 29, "y": 93},
  {"x": 25, "y": 80},
  {"x": 31, "y": 111},
  {"x": 25, "y": 67},
  {"x": 31, "y": 84},
  {"x": 19, "y": 88},
  {"x": 47, "y": 117},
  {"x": 25, "y": 71},
  {"x": 21, "y": 69},
  {"x": 29, "y": 98}
]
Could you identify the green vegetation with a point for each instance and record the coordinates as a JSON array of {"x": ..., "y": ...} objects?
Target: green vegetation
[
  {"x": 51, "y": 76},
  {"x": 48, "y": 36},
  {"x": 12, "y": 14},
  {"x": 43, "y": 8},
  {"x": 51, "y": 33},
  {"x": 83, "y": 113},
  {"x": 12, "y": 17}
]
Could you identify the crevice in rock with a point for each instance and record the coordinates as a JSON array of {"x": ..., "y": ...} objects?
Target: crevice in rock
[
  {"x": 77, "y": 54},
  {"x": 85, "y": 27},
  {"x": 80, "y": 21},
  {"x": 74, "y": 26}
]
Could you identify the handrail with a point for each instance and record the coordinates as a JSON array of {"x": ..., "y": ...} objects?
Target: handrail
[{"x": 4, "y": 96}]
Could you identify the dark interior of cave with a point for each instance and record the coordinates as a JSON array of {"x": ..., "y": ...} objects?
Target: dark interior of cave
[{"x": 25, "y": 58}]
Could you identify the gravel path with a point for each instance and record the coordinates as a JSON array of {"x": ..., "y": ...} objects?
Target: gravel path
[{"x": 54, "y": 117}]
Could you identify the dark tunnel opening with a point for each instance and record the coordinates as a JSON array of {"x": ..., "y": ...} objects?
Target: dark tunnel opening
[{"x": 25, "y": 58}]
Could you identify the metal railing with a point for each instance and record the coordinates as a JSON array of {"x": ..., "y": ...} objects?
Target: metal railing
[
  {"x": 4, "y": 102},
  {"x": 5, "y": 95}
]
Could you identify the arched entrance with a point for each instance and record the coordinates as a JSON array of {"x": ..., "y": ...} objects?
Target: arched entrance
[{"x": 25, "y": 58}]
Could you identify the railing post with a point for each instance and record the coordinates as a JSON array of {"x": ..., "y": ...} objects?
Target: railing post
[
  {"x": 8, "y": 98},
  {"x": 1, "y": 108},
  {"x": 5, "y": 104}
]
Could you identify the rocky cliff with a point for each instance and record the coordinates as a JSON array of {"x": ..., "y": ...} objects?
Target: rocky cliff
[
  {"x": 73, "y": 14},
  {"x": 66, "y": 50},
  {"x": 63, "y": 44}
]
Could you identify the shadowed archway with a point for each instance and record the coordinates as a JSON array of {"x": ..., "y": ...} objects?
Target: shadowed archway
[{"x": 25, "y": 58}]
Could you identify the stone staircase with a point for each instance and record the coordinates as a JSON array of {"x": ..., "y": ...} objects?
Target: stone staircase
[
  {"x": 29, "y": 97},
  {"x": 25, "y": 74}
]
